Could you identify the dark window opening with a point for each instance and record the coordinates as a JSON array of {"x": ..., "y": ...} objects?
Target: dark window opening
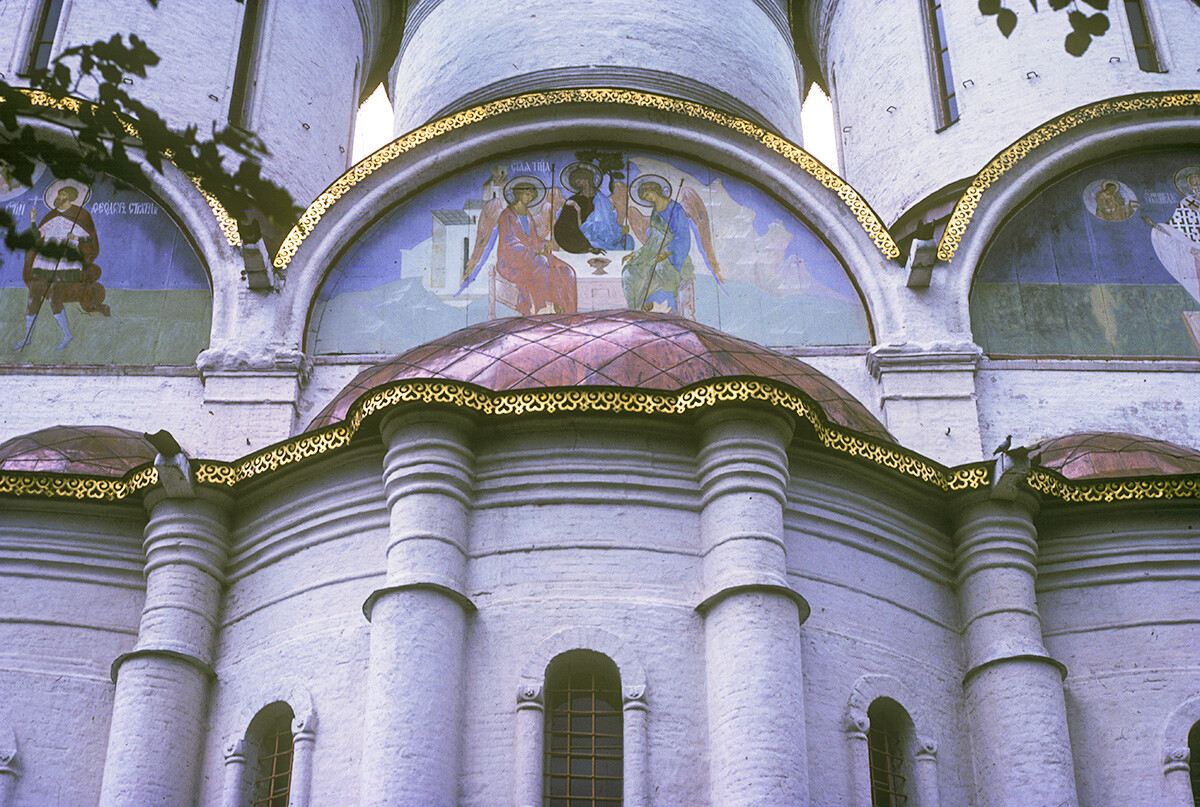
[
  {"x": 939, "y": 55},
  {"x": 272, "y": 773},
  {"x": 1194, "y": 762},
  {"x": 43, "y": 35},
  {"x": 885, "y": 744},
  {"x": 1143, "y": 42},
  {"x": 583, "y": 731}
]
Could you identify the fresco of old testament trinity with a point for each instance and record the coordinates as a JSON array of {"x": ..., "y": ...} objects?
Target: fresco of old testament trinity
[{"x": 586, "y": 230}]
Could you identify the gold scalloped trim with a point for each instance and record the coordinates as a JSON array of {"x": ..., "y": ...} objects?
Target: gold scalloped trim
[
  {"x": 964, "y": 210},
  {"x": 1114, "y": 490},
  {"x": 456, "y": 394},
  {"x": 797, "y": 156},
  {"x": 74, "y": 105},
  {"x": 76, "y": 486}
]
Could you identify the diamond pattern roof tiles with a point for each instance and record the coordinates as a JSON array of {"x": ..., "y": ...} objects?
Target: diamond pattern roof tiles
[
  {"x": 93, "y": 450},
  {"x": 628, "y": 349},
  {"x": 1094, "y": 455}
]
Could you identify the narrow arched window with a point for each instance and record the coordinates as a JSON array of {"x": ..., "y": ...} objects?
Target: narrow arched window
[
  {"x": 1194, "y": 762},
  {"x": 241, "y": 95},
  {"x": 44, "y": 29},
  {"x": 583, "y": 744},
  {"x": 888, "y": 741},
  {"x": 270, "y": 749}
]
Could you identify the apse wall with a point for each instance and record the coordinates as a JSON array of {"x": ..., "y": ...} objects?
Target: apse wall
[
  {"x": 875, "y": 562},
  {"x": 306, "y": 550},
  {"x": 876, "y": 56},
  {"x": 459, "y": 53},
  {"x": 1115, "y": 586},
  {"x": 71, "y": 593}
]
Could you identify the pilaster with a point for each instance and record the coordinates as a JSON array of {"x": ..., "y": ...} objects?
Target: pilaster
[{"x": 928, "y": 397}]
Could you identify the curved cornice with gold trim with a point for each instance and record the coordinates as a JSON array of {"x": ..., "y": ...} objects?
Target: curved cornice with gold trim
[
  {"x": 1007, "y": 159},
  {"x": 74, "y": 105},
  {"x": 858, "y": 206},
  {"x": 595, "y": 400}
]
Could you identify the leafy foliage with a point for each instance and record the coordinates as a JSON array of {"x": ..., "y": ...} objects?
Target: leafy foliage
[
  {"x": 116, "y": 133},
  {"x": 1084, "y": 26}
]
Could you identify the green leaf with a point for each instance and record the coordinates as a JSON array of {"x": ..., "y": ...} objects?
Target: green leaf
[
  {"x": 1007, "y": 20},
  {"x": 989, "y": 7},
  {"x": 1097, "y": 24},
  {"x": 1102, "y": 5},
  {"x": 1059, "y": 5}
]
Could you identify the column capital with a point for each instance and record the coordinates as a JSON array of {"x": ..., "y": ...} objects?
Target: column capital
[
  {"x": 1177, "y": 759},
  {"x": 192, "y": 531}
]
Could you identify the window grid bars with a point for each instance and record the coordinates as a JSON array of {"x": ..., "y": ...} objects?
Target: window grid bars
[
  {"x": 275, "y": 767},
  {"x": 887, "y": 784},
  {"x": 947, "y": 111},
  {"x": 583, "y": 740},
  {"x": 43, "y": 35}
]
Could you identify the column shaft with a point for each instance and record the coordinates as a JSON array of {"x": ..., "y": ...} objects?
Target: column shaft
[
  {"x": 1016, "y": 708},
  {"x": 161, "y": 699},
  {"x": 419, "y": 618},
  {"x": 752, "y": 618}
]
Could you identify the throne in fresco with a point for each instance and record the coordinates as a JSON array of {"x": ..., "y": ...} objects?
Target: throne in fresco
[{"x": 502, "y": 291}]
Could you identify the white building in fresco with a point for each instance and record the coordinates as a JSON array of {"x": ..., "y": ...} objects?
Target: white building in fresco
[{"x": 413, "y": 555}]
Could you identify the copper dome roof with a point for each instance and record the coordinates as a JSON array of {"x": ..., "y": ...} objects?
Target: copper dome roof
[
  {"x": 628, "y": 349},
  {"x": 1095, "y": 455},
  {"x": 93, "y": 450}
]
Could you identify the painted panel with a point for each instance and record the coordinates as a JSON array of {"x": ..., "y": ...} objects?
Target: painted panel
[
  {"x": 561, "y": 231},
  {"x": 140, "y": 297},
  {"x": 1101, "y": 263}
]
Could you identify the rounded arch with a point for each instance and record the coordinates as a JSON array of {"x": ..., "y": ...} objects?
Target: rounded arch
[
  {"x": 833, "y": 211},
  {"x": 1180, "y": 722},
  {"x": 597, "y": 640},
  {"x": 1050, "y": 152},
  {"x": 871, "y": 688},
  {"x": 289, "y": 691}
]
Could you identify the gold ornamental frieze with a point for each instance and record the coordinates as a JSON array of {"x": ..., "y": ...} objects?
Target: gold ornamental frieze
[{"x": 793, "y": 153}]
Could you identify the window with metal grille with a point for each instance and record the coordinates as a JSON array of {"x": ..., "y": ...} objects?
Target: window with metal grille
[
  {"x": 244, "y": 75},
  {"x": 583, "y": 731},
  {"x": 43, "y": 35},
  {"x": 886, "y": 743},
  {"x": 1143, "y": 41},
  {"x": 1194, "y": 763},
  {"x": 946, "y": 108},
  {"x": 272, "y": 772}
]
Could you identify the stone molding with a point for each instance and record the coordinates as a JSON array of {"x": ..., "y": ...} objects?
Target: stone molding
[
  {"x": 868, "y": 689},
  {"x": 263, "y": 361},
  {"x": 932, "y": 358},
  {"x": 598, "y": 640},
  {"x": 442, "y": 588},
  {"x": 166, "y": 653},
  {"x": 1176, "y": 728},
  {"x": 292, "y": 692}
]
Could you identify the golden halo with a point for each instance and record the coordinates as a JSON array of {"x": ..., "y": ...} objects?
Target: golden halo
[
  {"x": 564, "y": 176},
  {"x": 528, "y": 179},
  {"x": 635, "y": 188},
  {"x": 83, "y": 192},
  {"x": 1181, "y": 178}
]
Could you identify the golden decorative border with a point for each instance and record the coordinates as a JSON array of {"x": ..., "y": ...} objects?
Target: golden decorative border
[
  {"x": 964, "y": 210},
  {"x": 870, "y": 222},
  {"x": 77, "y": 486},
  {"x": 74, "y": 105},
  {"x": 1052, "y": 484},
  {"x": 465, "y": 396}
]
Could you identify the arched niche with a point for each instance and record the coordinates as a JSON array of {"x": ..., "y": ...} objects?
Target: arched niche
[
  {"x": 142, "y": 295},
  {"x": 478, "y": 140},
  {"x": 1101, "y": 260}
]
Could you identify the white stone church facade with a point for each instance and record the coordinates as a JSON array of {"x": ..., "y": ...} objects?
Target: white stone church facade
[{"x": 568, "y": 555}]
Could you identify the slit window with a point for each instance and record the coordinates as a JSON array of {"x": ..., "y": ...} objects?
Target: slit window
[
  {"x": 1143, "y": 42},
  {"x": 1194, "y": 762},
  {"x": 583, "y": 732},
  {"x": 242, "y": 94},
  {"x": 939, "y": 57},
  {"x": 42, "y": 43}
]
